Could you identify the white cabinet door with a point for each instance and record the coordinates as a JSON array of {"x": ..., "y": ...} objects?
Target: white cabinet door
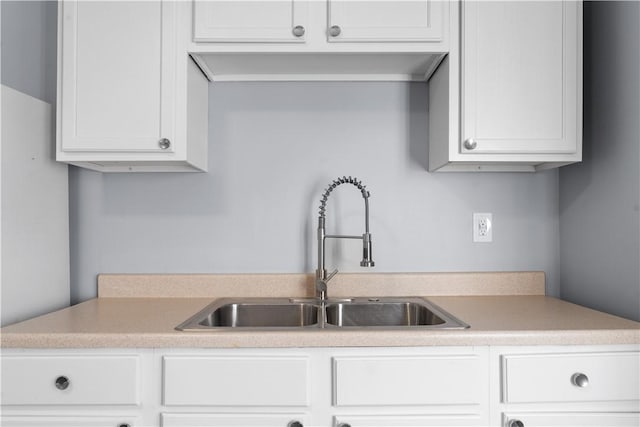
[
  {"x": 573, "y": 419},
  {"x": 250, "y": 21},
  {"x": 116, "y": 76},
  {"x": 386, "y": 20},
  {"x": 521, "y": 77}
]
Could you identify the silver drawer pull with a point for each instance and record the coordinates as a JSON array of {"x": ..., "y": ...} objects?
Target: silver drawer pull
[
  {"x": 516, "y": 423},
  {"x": 62, "y": 382},
  {"x": 580, "y": 380},
  {"x": 298, "y": 31},
  {"x": 470, "y": 144},
  {"x": 295, "y": 423},
  {"x": 335, "y": 31}
]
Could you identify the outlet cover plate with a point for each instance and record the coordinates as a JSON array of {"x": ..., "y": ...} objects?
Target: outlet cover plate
[{"x": 482, "y": 227}]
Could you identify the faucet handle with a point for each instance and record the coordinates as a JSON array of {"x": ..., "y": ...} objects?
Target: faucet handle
[{"x": 367, "y": 260}]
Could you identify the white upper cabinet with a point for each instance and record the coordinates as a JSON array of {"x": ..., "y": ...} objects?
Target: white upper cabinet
[
  {"x": 515, "y": 88},
  {"x": 385, "y": 21},
  {"x": 124, "y": 87},
  {"x": 520, "y": 76},
  {"x": 320, "y": 39},
  {"x": 107, "y": 75}
]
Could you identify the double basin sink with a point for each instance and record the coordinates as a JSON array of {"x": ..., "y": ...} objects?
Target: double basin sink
[{"x": 346, "y": 313}]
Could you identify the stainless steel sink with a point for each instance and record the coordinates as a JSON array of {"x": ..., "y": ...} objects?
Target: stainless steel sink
[
  {"x": 390, "y": 312},
  {"x": 350, "y": 313},
  {"x": 254, "y": 313}
]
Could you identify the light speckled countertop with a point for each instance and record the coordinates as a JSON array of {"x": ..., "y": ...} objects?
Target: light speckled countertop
[{"x": 143, "y": 310}]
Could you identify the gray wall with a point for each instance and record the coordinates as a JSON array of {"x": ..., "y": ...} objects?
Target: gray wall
[
  {"x": 29, "y": 47},
  {"x": 599, "y": 199},
  {"x": 273, "y": 148}
]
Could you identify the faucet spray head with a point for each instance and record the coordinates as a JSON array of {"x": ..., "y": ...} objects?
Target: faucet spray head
[{"x": 367, "y": 260}]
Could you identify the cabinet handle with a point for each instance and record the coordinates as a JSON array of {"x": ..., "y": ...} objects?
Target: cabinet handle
[
  {"x": 335, "y": 31},
  {"x": 295, "y": 423},
  {"x": 62, "y": 382},
  {"x": 164, "y": 143},
  {"x": 344, "y": 425},
  {"x": 516, "y": 423},
  {"x": 124, "y": 425},
  {"x": 470, "y": 144},
  {"x": 298, "y": 31},
  {"x": 580, "y": 380}
]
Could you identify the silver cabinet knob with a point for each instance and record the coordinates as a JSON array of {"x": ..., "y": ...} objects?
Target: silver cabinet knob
[
  {"x": 470, "y": 144},
  {"x": 344, "y": 425},
  {"x": 335, "y": 31},
  {"x": 580, "y": 380},
  {"x": 516, "y": 423},
  {"x": 124, "y": 425},
  {"x": 298, "y": 31},
  {"x": 62, "y": 383},
  {"x": 295, "y": 423},
  {"x": 164, "y": 143}
]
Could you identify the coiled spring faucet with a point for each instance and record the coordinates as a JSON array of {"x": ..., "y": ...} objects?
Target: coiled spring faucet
[{"x": 322, "y": 278}]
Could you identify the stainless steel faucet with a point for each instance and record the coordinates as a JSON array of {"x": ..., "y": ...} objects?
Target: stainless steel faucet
[{"x": 322, "y": 277}]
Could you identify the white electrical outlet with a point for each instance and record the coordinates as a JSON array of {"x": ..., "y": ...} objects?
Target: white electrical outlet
[{"x": 482, "y": 227}]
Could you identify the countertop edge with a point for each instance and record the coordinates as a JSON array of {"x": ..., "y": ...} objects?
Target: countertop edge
[{"x": 320, "y": 339}]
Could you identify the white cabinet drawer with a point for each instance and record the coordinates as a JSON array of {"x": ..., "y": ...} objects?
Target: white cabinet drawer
[
  {"x": 230, "y": 420},
  {"x": 573, "y": 419},
  {"x": 412, "y": 380},
  {"x": 69, "y": 421},
  {"x": 70, "y": 380},
  {"x": 236, "y": 381},
  {"x": 409, "y": 420},
  {"x": 257, "y": 22},
  {"x": 550, "y": 377}
]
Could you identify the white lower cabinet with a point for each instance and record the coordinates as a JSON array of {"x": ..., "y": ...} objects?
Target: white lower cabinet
[
  {"x": 567, "y": 386},
  {"x": 326, "y": 387},
  {"x": 541, "y": 386}
]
